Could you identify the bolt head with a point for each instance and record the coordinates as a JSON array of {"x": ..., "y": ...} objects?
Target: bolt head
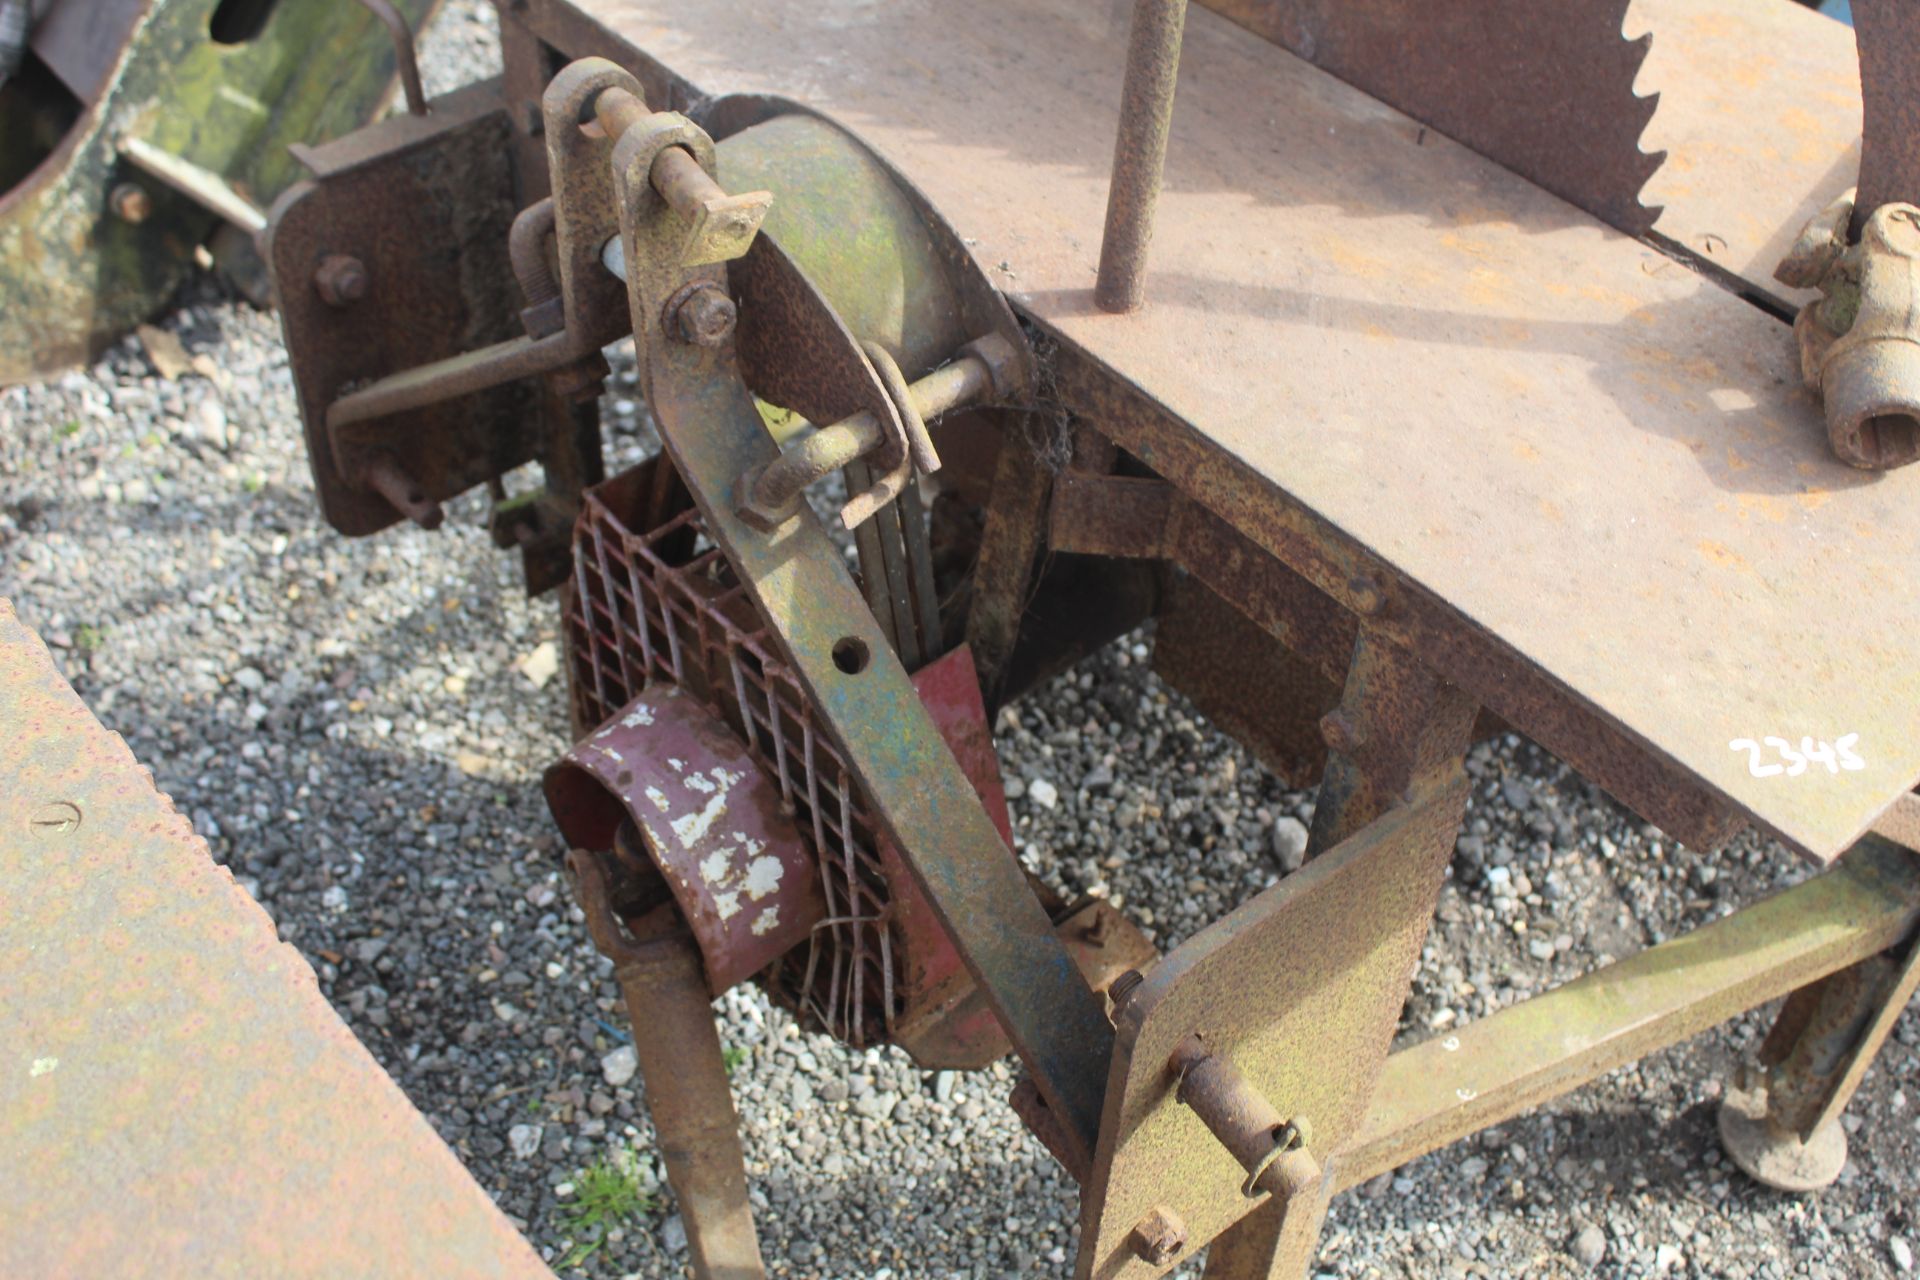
[
  {"x": 1365, "y": 595},
  {"x": 340, "y": 280},
  {"x": 1159, "y": 1237},
  {"x": 705, "y": 317},
  {"x": 130, "y": 203}
]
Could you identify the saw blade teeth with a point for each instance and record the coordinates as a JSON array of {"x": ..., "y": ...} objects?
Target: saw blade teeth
[{"x": 1545, "y": 88}]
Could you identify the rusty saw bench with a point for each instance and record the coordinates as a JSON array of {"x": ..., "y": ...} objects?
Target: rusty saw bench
[{"x": 1407, "y": 440}]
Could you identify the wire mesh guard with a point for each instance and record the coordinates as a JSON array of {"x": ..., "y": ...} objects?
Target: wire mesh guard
[{"x": 662, "y": 603}]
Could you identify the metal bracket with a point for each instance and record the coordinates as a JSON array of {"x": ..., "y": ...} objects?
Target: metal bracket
[{"x": 713, "y": 433}]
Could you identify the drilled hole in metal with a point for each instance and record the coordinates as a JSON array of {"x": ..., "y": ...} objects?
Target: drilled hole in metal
[
  {"x": 851, "y": 655},
  {"x": 239, "y": 21}
]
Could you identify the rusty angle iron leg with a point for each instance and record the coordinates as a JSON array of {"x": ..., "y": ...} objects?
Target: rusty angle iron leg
[
  {"x": 1399, "y": 730},
  {"x": 1783, "y": 1127},
  {"x": 922, "y": 798},
  {"x": 1298, "y": 991},
  {"x": 665, "y": 985}
]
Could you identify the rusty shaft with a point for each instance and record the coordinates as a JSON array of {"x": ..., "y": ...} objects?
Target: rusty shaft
[
  {"x": 1268, "y": 1146},
  {"x": 676, "y": 175},
  {"x": 1140, "y": 152},
  {"x": 391, "y": 481},
  {"x": 965, "y": 381}
]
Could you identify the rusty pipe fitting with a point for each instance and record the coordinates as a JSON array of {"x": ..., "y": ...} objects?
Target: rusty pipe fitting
[
  {"x": 1860, "y": 342},
  {"x": 1870, "y": 374},
  {"x": 1270, "y": 1148}
]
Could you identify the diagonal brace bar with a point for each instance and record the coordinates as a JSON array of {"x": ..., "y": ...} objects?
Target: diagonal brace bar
[{"x": 1449, "y": 1086}]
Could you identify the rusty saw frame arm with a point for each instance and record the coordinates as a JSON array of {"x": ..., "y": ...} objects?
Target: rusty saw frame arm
[{"x": 713, "y": 435}]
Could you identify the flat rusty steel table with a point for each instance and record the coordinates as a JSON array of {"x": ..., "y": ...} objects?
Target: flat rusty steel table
[
  {"x": 1601, "y": 499},
  {"x": 178, "y": 1098}
]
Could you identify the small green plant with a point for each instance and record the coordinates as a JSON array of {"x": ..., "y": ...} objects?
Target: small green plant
[
  {"x": 606, "y": 1193},
  {"x": 733, "y": 1056},
  {"x": 68, "y": 429},
  {"x": 253, "y": 482},
  {"x": 88, "y": 638}
]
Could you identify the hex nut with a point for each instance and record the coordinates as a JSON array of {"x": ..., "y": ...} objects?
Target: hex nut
[
  {"x": 704, "y": 315},
  {"x": 130, "y": 203},
  {"x": 340, "y": 280},
  {"x": 1159, "y": 1237}
]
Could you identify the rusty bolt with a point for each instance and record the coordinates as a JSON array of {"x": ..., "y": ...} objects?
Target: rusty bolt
[
  {"x": 702, "y": 314},
  {"x": 1159, "y": 1237},
  {"x": 1366, "y": 595},
  {"x": 1340, "y": 733},
  {"x": 130, "y": 203},
  {"x": 1121, "y": 987},
  {"x": 340, "y": 280}
]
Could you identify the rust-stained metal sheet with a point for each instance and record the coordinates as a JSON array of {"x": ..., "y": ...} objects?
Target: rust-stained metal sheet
[
  {"x": 176, "y": 1098},
  {"x": 1330, "y": 949},
  {"x": 1760, "y": 119},
  {"x": 1593, "y": 454}
]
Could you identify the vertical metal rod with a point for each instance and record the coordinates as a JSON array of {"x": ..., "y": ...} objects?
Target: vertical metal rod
[
  {"x": 1139, "y": 152},
  {"x": 404, "y": 61},
  {"x": 661, "y": 974}
]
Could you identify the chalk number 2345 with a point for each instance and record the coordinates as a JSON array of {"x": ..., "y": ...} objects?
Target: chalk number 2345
[{"x": 1793, "y": 763}]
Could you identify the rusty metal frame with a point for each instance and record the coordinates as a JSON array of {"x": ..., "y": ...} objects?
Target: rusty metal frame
[
  {"x": 1543, "y": 1047},
  {"x": 664, "y": 983},
  {"x": 1276, "y": 545},
  {"x": 1241, "y": 1135}
]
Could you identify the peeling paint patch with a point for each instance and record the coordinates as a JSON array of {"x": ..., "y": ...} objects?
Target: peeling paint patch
[
  {"x": 726, "y": 905},
  {"x": 692, "y": 827},
  {"x": 715, "y": 866},
  {"x": 763, "y": 876},
  {"x": 611, "y": 754},
  {"x": 639, "y": 718},
  {"x": 766, "y": 922},
  {"x": 42, "y": 1066},
  {"x": 659, "y": 799}
]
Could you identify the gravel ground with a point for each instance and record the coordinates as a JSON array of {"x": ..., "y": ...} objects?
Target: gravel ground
[{"x": 358, "y": 727}]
